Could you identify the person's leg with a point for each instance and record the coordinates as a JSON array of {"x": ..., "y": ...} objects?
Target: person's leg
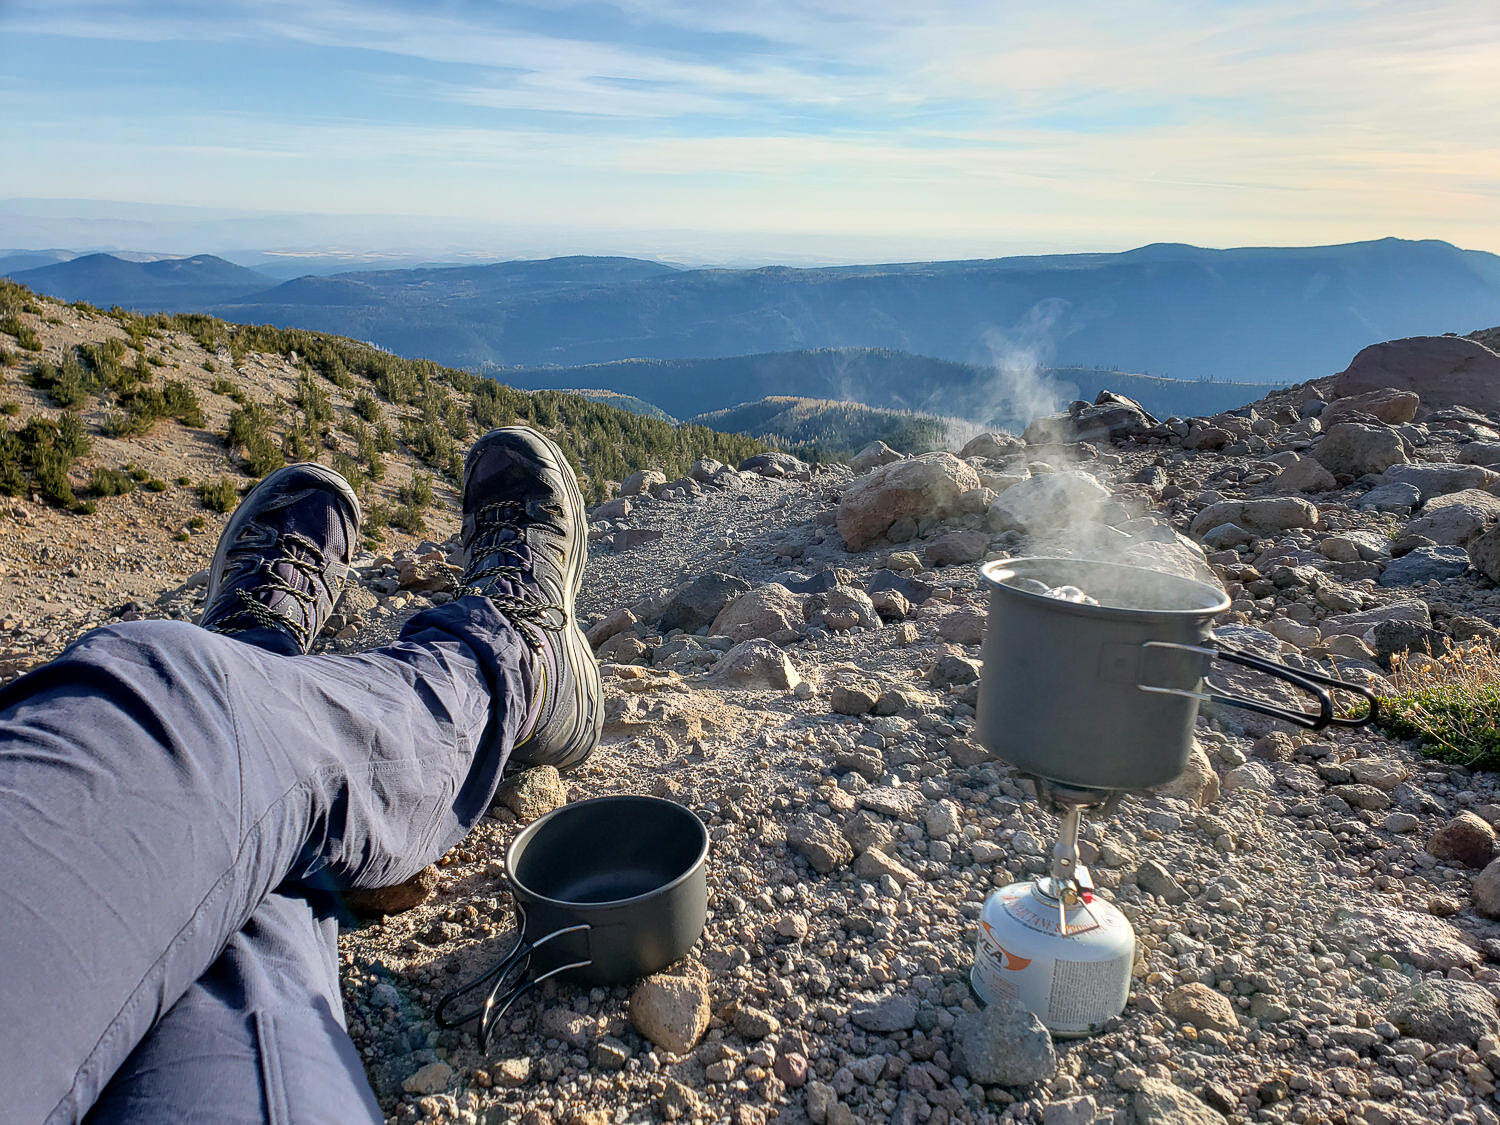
[
  {"x": 259, "y": 1038},
  {"x": 158, "y": 781}
]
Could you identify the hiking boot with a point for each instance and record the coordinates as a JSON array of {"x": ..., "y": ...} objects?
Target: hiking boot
[
  {"x": 524, "y": 541},
  {"x": 283, "y": 557}
]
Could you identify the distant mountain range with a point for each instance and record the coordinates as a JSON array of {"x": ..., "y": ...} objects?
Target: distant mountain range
[
  {"x": 1257, "y": 314},
  {"x": 884, "y": 379},
  {"x": 1260, "y": 315},
  {"x": 162, "y": 285}
]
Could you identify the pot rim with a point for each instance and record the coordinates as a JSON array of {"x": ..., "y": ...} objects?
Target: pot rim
[
  {"x": 989, "y": 573},
  {"x": 520, "y": 843}
]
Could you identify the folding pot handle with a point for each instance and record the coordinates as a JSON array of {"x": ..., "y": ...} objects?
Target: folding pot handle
[
  {"x": 1306, "y": 681},
  {"x": 502, "y": 994}
]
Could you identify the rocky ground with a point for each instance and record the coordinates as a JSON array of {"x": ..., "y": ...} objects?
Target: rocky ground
[{"x": 795, "y": 656}]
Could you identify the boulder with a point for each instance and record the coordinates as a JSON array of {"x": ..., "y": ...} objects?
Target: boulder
[
  {"x": 957, "y": 548},
  {"x": 1157, "y": 1101},
  {"x": 1052, "y": 503},
  {"x": 1304, "y": 474},
  {"x": 1425, "y": 564},
  {"x": 1264, "y": 517},
  {"x": 1445, "y": 1012},
  {"x": 776, "y": 465},
  {"x": 1360, "y": 623},
  {"x": 700, "y": 601},
  {"x": 914, "y": 487},
  {"x": 1485, "y": 890},
  {"x": 1356, "y": 449},
  {"x": 991, "y": 446},
  {"x": 1390, "y": 498},
  {"x": 848, "y": 607},
  {"x": 1456, "y": 518},
  {"x": 615, "y": 509},
  {"x": 1444, "y": 370},
  {"x": 1110, "y": 417},
  {"x": 1486, "y": 453},
  {"x": 756, "y": 665},
  {"x": 1388, "y": 405},
  {"x": 1440, "y": 478},
  {"x": 762, "y": 612},
  {"x": 706, "y": 469},
  {"x": 872, "y": 456},
  {"x": 1484, "y": 553},
  {"x": 1420, "y": 940},
  {"x": 642, "y": 480},
  {"x": 612, "y": 626}
]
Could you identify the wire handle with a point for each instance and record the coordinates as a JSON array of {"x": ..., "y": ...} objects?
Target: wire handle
[
  {"x": 502, "y": 995},
  {"x": 1310, "y": 682}
]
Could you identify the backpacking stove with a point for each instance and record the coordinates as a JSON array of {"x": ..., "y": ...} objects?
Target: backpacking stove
[{"x": 1093, "y": 673}]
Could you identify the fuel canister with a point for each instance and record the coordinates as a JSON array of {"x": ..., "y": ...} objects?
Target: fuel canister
[{"x": 1074, "y": 981}]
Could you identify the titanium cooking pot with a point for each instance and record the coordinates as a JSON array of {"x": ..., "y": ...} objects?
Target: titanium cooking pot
[
  {"x": 607, "y": 891},
  {"x": 1104, "y": 697}
]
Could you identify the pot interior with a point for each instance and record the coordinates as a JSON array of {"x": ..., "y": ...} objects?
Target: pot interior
[
  {"x": 1115, "y": 586},
  {"x": 607, "y": 850}
]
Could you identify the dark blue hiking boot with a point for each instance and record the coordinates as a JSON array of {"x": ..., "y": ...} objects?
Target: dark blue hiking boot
[
  {"x": 283, "y": 557},
  {"x": 524, "y": 540}
]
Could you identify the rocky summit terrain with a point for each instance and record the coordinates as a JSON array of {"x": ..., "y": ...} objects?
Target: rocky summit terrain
[{"x": 794, "y": 654}]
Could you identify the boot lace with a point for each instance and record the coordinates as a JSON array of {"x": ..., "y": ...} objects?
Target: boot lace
[
  {"x": 530, "y": 617},
  {"x": 251, "y": 613}
]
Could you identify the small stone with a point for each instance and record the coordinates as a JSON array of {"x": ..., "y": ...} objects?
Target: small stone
[
  {"x": 430, "y": 1079},
  {"x": 1465, "y": 839},
  {"x": 854, "y": 697},
  {"x": 511, "y": 1072},
  {"x": 755, "y": 1023},
  {"x": 609, "y": 1054},
  {"x": 823, "y": 846},
  {"x": 1005, "y": 1044},
  {"x": 892, "y": 1013},
  {"x": 671, "y": 1009},
  {"x": 394, "y": 900},
  {"x": 1155, "y": 879},
  {"x": 1159, "y": 1102},
  {"x": 1201, "y": 1006},
  {"x": 533, "y": 793},
  {"x": 942, "y": 819},
  {"x": 791, "y": 1068}
]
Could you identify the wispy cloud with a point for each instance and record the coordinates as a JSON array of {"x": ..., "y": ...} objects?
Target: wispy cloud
[{"x": 1101, "y": 122}]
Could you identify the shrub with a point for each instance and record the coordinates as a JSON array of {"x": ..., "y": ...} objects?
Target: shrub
[
  {"x": 25, "y": 336},
  {"x": 367, "y": 406},
  {"x": 249, "y": 430},
  {"x": 417, "y": 492},
  {"x": 182, "y": 403},
  {"x": 222, "y": 386},
  {"x": 66, "y": 385},
  {"x": 7, "y": 357},
  {"x": 44, "y": 451},
  {"x": 182, "y": 481},
  {"x": 110, "y": 482},
  {"x": 218, "y": 496},
  {"x": 1451, "y": 705},
  {"x": 154, "y": 484},
  {"x": 349, "y": 468},
  {"x": 10, "y": 408}
]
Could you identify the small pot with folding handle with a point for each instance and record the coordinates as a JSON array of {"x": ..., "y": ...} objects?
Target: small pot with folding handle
[{"x": 607, "y": 891}]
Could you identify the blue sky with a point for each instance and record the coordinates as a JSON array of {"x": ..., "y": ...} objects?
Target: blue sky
[{"x": 822, "y": 129}]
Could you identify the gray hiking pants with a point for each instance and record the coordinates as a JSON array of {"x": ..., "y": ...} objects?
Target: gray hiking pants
[{"x": 178, "y": 811}]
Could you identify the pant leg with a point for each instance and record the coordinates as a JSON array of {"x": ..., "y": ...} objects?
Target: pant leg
[
  {"x": 258, "y": 1039},
  {"x": 158, "y": 781}
]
